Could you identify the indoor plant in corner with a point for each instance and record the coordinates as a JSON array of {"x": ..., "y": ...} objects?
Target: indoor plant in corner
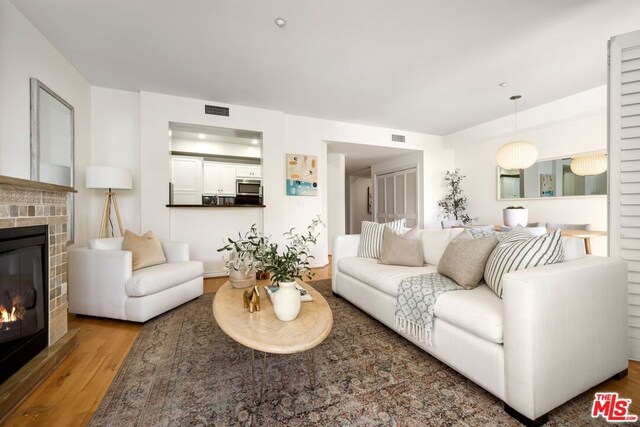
[
  {"x": 246, "y": 258},
  {"x": 515, "y": 215},
  {"x": 454, "y": 203},
  {"x": 288, "y": 265}
]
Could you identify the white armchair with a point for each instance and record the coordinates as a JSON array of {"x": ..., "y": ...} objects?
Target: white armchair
[{"x": 101, "y": 282}]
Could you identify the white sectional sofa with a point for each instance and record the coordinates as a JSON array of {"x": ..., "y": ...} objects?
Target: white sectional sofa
[
  {"x": 101, "y": 282},
  {"x": 559, "y": 329}
]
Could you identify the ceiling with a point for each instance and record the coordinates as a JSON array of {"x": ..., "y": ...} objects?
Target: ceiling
[
  {"x": 359, "y": 157},
  {"x": 423, "y": 65}
]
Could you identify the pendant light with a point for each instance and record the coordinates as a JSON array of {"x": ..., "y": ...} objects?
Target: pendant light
[
  {"x": 589, "y": 164},
  {"x": 516, "y": 154}
]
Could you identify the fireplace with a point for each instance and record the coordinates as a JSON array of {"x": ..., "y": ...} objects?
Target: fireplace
[{"x": 24, "y": 311}]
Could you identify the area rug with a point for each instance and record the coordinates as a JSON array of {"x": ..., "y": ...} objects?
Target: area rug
[{"x": 183, "y": 370}]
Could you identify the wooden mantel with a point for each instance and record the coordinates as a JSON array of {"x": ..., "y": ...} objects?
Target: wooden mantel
[{"x": 35, "y": 185}]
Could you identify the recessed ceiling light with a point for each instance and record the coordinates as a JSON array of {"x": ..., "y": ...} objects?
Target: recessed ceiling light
[
  {"x": 503, "y": 84},
  {"x": 280, "y": 22},
  {"x": 201, "y": 135},
  {"x": 254, "y": 142}
]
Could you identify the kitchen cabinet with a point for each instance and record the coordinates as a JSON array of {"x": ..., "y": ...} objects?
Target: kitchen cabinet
[
  {"x": 249, "y": 171},
  {"x": 219, "y": 179},
  {"x": 186, "y": 177}
]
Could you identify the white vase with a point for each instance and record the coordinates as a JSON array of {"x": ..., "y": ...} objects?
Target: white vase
[
  {"x": 515, "y": 217},
  {"x": 286, "y": 301}
]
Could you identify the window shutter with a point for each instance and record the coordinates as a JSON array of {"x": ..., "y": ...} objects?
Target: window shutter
[{"x": 624, "y": 169}]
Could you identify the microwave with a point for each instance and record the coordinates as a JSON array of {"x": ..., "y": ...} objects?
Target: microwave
[{"x": 248, "y": 187}]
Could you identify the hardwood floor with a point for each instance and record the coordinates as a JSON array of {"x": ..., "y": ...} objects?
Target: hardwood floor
[{"x": 74, "y": 390}]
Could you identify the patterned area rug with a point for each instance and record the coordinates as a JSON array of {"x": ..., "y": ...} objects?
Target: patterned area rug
[{"x": 183, "y": 370}]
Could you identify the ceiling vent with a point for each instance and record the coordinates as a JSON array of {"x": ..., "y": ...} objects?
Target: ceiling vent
[
  {"x": 397, "y": 138},
  {"x": 216, "y": 111}
]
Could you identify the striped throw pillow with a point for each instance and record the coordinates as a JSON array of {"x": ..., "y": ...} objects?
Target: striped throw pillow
[
  {"x": 371, "y": 237},
  {"x": 518, "y": 250}
]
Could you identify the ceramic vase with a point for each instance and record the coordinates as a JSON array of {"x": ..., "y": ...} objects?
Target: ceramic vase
[
  {"x": 515, "y": 217},
  {"x": 286, "y": 301},
  {"x": 241, "y": 279}
]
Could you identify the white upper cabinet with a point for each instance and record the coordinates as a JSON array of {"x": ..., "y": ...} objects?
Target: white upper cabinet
[
  {"x": 249, "y": 171},
  {"x": 211, "y": 178},
  {"x": 219, "y": 179},
  {"x": 186, "y": 174},
  {"x": 228, "y": 180}
]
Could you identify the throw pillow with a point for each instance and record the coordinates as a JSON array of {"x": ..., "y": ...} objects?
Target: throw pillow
[
  {"x": 371, "y": 237},
  {"x": 518, "y": 251},
  {"x": 465, "y": 258},
  {"x": 146, "y": 250},
  {"x": 401, "y": 249}
]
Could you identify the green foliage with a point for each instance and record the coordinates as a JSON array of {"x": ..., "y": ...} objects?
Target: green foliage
[
  {"x": 247, "y": 252},
  {"x": 293, "y": 261},
  {"x": 454, "y": 204},
  {"x": 254, "y": 251},
  {"x": 515, "y": 207}
]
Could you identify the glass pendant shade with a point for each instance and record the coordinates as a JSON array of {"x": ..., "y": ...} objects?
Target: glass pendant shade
[
  {"x": 590, "y": 164},
  {"x": 517, "y": 155}
]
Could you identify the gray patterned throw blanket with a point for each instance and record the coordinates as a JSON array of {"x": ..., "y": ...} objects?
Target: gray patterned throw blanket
[{"x": 416, "y": 300}]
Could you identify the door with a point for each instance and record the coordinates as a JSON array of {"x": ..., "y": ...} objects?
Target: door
[
  {"x": 228, "y": 180},
  {"x": 396, "y": 196},
  {"x": 186, "y": 176},
  {"x": 624, "y": 170},
  {"x": 212, "y": 183}
]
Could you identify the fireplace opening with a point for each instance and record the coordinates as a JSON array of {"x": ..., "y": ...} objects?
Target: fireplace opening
[{"x": 24, "y": 313}]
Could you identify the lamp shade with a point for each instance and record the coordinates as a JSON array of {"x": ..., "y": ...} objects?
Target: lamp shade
[
  {"x": 109, "y": 177},
  {"x": 589, "y": 164},
  {"x": 517, "y": 155}
]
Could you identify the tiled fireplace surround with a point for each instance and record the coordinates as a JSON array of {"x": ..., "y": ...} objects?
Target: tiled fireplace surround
[{"x": 21, "y": 207}]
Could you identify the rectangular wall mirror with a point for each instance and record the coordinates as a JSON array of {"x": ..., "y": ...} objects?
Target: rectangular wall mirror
[
  {"x": 548, "y": 179},
  {"x": 52, "y": 142},
  {"x": 214, "y": 166}
]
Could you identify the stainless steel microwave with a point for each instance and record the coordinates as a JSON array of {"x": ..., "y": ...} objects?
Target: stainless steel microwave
[{"x": 248, "y": 187}]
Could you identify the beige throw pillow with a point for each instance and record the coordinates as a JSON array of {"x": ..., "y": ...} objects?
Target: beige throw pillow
[
  {"x": 465, "y": 258},
  {"x": 401, "y": 249},
  {"x": 146, "y": 250}
]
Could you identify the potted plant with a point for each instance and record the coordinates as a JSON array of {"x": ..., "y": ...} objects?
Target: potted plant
[
  {"x": 246, "y": 257},
  {"x": 290, "y": 264},
  {"x": 515, "y": 215},
  {"x": 454, "y": 203}
]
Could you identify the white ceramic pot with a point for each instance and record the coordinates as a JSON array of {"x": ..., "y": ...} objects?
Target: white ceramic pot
[
  {"x": 286, "y": 301},
  {"x": 514, "y": 217},
  {"x": 241, "y": 279}
]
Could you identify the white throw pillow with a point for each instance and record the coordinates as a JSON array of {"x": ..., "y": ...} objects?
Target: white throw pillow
[
  {"x": 518, "y": 250},
  {"x": 371, "y": 237}
]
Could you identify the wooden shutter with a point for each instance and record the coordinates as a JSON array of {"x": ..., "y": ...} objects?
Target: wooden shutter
[{"x": 624, "y": 169}]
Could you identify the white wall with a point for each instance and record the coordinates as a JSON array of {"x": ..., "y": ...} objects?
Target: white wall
[
  {"x": 25, "y": 53},
  {"x": 336, "y": 189},
  {"x": 567, "y": 126},
  {"x": 358, "y": 202},
  {"x": 115, "y": 134},
  {"x": 282, "y": 134}
]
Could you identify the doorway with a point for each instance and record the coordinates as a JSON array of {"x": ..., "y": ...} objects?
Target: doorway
[{"x": 371, "y": 183}]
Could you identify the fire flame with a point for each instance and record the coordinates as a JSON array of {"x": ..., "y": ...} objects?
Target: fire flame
[{"x": 5, "y": 316}]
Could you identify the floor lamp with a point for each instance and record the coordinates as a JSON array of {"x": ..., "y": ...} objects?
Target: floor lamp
[{"x": 109, "y": 178}]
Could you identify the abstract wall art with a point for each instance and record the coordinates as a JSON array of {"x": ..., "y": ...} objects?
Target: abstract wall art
[{"x": 302, "y": 175}]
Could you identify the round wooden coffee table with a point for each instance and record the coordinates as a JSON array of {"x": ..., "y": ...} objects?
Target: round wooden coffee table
[{"x": 262, "y": 331}]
